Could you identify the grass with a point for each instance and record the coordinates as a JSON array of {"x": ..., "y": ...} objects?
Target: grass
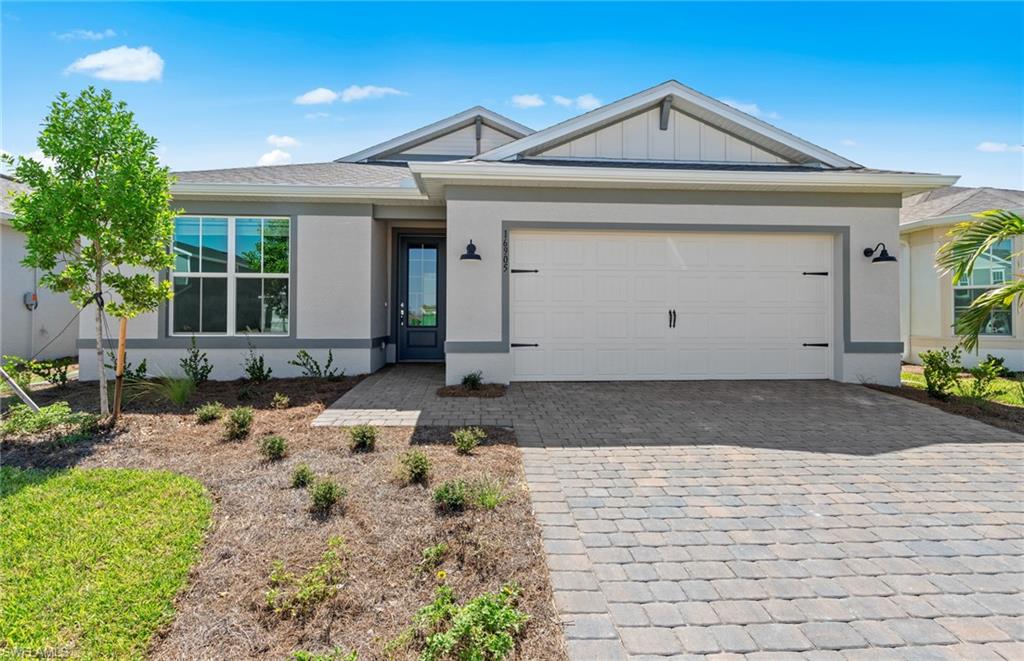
[
  {"x": 1009, "y": 391},
  {"x": 92, "y": 559}
]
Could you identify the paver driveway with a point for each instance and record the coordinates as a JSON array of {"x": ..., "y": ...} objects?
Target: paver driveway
[{"x": 776, "y": 520}]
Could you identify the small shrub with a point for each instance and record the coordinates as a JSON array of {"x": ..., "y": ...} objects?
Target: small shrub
[
  {"x": 54, "y": 372},
  {"x": 941, "y": 369},
  {"x": 433, "y": 556},
  {"x": 292, "y": 595},
  {"x": 18, "y": 369},
  {"x": 415, "y": 467},
  {"x": 246, "y": 393},
  {"x": 280, "y": 401},
  {"x": 467, "y": 438},
  {"x": 209, "y": 412},
  {"x": 334, "y": 655},
  {"x": 311, "y": 368},
  {"x": 473, "y": 380},
  {"x": 982, "y": 383},
  {"x": 140, "y": 373},
  {"x": 238, "y": 423},
  {"x": 998, "y": 363},
  {"x": 483, "y": 628},
  {"x": 175, "y": 390},
  {"x": 255, "y": 367},
  {"x": 302, "y": 476},
  {"x": 362, "y": 438},
  {"x": 488, "y": 493},
  {"x": 273, "y": 448},
  {"x": 195, "y": 364},
  {"x": 21, "y": 419},
  {"x": 451, "y": 496},
  {"x": 324, "y": 495}
]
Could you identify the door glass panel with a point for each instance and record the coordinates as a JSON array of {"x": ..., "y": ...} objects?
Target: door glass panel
[{"x": 422, "y": 286}]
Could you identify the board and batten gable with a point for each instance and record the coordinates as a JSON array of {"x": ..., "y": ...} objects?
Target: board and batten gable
[
  {"x": 641, "y": 138},
  {"x": 459, "y": 142}
]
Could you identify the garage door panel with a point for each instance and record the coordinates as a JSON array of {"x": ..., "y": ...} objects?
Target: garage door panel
[{"x": 599, "y": 305}]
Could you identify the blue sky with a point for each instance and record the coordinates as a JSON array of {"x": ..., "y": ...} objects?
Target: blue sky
[{"x": 924, "y": 87}]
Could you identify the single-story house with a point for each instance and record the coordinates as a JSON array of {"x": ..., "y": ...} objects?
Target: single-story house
[
  {"x": 666, "y": 235},
  {"x": 933, "y": 300},
  {"x": 31, "y": 317}
]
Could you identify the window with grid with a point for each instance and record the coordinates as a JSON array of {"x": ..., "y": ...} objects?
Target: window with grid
[
  {"x": 991, "y": 270},
  {"x": 231, "y": 275}
]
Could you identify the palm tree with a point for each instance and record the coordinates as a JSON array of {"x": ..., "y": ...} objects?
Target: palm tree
[{"x": 968, "y": 242}]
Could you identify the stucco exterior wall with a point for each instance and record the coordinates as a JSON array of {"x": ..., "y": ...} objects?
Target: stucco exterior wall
[
  {"x": 474, "y": 288},
  {"x": 24, "y": 331},
  {"x": 931, "y": 306}
]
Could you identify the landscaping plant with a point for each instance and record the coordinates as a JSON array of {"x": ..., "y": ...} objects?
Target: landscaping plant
[
  {"x": 324, "y": 495},
  {"x": 981, "y": 385},
  {"x": 17, "y": 369},
  {"x": 273, "y": 448},
  {"x": 21, "y": 420},
  {"x": 362, "y": 438},
  {"x": 432, "y": 556},
  {"x": 467, "y": 438},
  {"x": 54, "y": 372},
  {"x": 280, "y": 401},
  {"x": 238, "y": 423},
  {"x": 98, "y": 220},
  {"x": 311, "y": 368},
  {"x": 195, "y": 364},
  {"x": 334, "y": 655},
  {"x": 415, "y": 467},
  {"x": 482, "y": 629},
  {"x": 302, "y": 476},
  {"x": 176, "y": 390},
  {"x": 292, "y": 595},
  {"x": 451, "y": 496},
  {"x": 209, "y": 412},
  {"x": 473, "y": 380},
  {"x": 488, "y": 493},
  {"x": 941, "y": 370},
  {"x": 255, "y": 367}
]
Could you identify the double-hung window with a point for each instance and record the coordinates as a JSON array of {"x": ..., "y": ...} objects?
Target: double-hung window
[
  {"x": 231, "y": 275},
  {"x": 993, "y": 268}
]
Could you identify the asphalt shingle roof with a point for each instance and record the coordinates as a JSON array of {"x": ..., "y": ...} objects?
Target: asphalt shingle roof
[
  {"x": 307, "y": 174},
  {"x": 8, "y": 186},
  {"x": 958, "y": 200}
]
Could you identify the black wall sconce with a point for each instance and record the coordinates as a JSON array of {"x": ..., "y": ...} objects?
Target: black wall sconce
[
  {"x": 470, "y": 252},
  {"x": 883, "y": 254}
]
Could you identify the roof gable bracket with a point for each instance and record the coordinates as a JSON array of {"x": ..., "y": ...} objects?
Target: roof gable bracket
[
  {"x": 479, "y": 133},
  {"x": 666, "y": 112}
]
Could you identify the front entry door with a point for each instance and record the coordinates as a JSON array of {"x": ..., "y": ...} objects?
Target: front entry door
[{"x": 421, "y": 304}]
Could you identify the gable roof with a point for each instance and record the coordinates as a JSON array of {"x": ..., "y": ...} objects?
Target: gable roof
[
  {"x": 364, "y": 175},
  {"x": 439, "y": 128},
  {"x": 687, "y": 100},
  {"x": 8, "y": 187},
  {"x": 951, "y": 202}
]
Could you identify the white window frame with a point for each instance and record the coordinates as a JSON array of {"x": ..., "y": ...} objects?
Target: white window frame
[
  {"x": 994, "y": 285},
  {"x": 232, "y": 277}
]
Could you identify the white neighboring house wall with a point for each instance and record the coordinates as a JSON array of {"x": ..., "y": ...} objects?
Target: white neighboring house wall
[
  {"x": 930, "y": 309},
  {"x": 23, "y": 332}
]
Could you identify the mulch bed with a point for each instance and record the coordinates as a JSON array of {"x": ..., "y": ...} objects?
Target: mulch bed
[
  {"x": 259, "y": 519},
  {"x": 992, "y": 413},
  {"x": 485, "y": 390}
]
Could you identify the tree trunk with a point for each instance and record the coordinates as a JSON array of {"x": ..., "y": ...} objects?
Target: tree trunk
[{"x": 104, "y": 408}]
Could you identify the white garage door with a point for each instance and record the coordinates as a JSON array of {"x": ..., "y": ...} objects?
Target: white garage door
[{"x": 610, "y": 305}]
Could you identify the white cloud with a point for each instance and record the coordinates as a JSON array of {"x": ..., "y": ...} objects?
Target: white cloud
[
  {"x": 319, "y": 95},
  {"x": 583, "y": 102},
  {"x": 121, "y": 63},
  {"x": 349, "y": 94},
  {"x": 275, "y": 157},
  {"x": 849, "y": 142},
  {"x": 86, "y": 35},
  {"x": 999, "y": 147},
  {"x": 750, "y": 109},
  {"x": 562, "y": 100},
  {"x": 527, "y": 100},
  {"x": 282, "y": 141},
  {"x": 362, "y": 92}
]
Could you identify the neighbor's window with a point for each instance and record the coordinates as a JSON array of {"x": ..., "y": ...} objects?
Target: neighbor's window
[
  {"x": 231, "y": 275},
  {"x": 991, "y": 269}
]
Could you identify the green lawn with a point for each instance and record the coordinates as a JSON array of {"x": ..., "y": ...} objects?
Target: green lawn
[
  {"x": 91, "y": 560},
  {"x": 1010, "y": 390}
]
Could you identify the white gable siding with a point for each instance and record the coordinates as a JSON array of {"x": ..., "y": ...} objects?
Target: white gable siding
[
  {"x": 640, "y": 138},
  {"x": 460, "y": 142}
]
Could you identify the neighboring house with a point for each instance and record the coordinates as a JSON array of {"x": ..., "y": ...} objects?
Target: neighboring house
[
  {"x": 23, "y": 330},
  {"x": 666, "y": 235},
  {"x": 933, "y": 301}
]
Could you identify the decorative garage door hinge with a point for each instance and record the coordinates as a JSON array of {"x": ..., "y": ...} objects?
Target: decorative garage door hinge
[
  {"x": 815, "y": 344},
  {"x": 815, "y": 273},
  {"x": 516, "y": 344},
  {"x": 525, "y": 271}
]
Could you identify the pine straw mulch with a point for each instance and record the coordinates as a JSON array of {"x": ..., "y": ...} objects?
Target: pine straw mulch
[
  {"x": 258, "y": 519},
  {"x": 484, "y": 390}
]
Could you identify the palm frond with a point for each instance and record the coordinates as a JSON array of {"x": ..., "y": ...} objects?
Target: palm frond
[
  {"x": 973, "y": 320},
  {"x": 970, "y": 240}
]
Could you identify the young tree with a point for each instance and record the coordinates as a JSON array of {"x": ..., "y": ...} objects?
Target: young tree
[
  {"x": 968, "y": 242},
  {"x": 98, "y": 220}
]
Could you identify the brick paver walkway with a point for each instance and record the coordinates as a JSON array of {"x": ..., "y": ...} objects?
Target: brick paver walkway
[{"x": 775, "y": 520}]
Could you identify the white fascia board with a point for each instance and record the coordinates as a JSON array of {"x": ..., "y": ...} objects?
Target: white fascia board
[
  {"x": 939, "y": 221},
  {"x": 432, "y": 177},
  {"x": 422, "y": 134},
  {"x": 296, "y": 192},
  {"x": 594, "y": 119}
]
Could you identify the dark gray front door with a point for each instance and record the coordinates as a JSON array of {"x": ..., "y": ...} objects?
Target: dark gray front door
[{"x": 421, "y": 298}]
